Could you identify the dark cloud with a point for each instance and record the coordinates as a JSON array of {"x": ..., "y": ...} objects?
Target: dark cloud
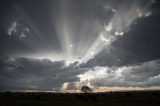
[
  {"x": 18, "y": 73},
  {"x": 146, "y": 74},
  {"x": 138, "y": 45},
  {"x": 43, "y": 43}
]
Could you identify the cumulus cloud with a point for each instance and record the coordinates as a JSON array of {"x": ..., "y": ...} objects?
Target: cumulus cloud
[
  {"x": 44, "y": 75},
  {"x": 108, "y": 7},
  {"x": 96, "y": 43},
  {"x": 36, "y": 74},
  {"x": 119, "y": 33},
  {"x": 12, "y": 28},
  {"x": 18, "y": 29},
  {"x": 134, "y": 46},
  {"x": 109, "y": 27},
  {"x": 138, "y": 75},
  {"x": 117, "y": 24}
]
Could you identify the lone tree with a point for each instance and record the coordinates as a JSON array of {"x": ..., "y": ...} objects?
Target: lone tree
[{"x": 86, "y": 89}]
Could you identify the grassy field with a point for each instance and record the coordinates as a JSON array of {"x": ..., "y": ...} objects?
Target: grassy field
[{"x": 136, "y": 98}]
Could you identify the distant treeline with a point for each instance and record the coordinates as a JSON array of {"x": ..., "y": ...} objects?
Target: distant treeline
[{"x": 147, "y": 97}]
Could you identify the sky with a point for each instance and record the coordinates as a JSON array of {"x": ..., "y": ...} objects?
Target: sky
[{"x": 62, "y": 45}]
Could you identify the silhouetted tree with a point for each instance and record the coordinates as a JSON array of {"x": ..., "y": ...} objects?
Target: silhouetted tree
[{"x": 86, "y": 89}]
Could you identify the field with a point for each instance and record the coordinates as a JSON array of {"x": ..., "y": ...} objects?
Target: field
[{"x": 134, "y": 98}]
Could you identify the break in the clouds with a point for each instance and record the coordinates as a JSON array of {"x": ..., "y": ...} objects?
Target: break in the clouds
[
  {"x": 58, "y": 45},
  {"x": 139, "y": 75},
  {"x": 23, "y": 74}
]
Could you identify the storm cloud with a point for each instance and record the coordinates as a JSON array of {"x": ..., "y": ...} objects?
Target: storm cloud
[
  {"x": 58, "y": 45},
  {"x": 35, "y": 74}
]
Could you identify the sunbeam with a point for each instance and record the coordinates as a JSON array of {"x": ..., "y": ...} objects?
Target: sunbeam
[
  {"x": 64, "y": 44},
  {"x": 83, "y": 39},
  {"x": 92, "y": 37}
]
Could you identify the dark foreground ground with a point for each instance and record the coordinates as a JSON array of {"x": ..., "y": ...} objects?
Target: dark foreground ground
[{"x": 141, "y": 98}]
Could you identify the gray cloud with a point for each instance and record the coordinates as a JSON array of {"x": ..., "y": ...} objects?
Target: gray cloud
[
  {"x": 35, "y": 74},
  {"x": 138, "y": 45},
  {"x": 139, "y": 75},
  {"x": 114, "y": 43}
]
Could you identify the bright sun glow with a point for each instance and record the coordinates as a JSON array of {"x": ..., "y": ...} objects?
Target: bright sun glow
[
  {"x": 104, "y": 35},
  {"x": 77, "y": 43}
]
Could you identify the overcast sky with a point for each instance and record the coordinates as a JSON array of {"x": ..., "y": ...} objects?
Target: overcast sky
[{"x": 62, "y": 45}]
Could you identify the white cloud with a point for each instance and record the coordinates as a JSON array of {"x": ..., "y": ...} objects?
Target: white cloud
[
  {"x": 109, "y": 27},
  {"x": 117, "y": 25},
  {"x": 64, "y": 86},
  {"x": 119, "y": 33},
  {"x": 22, "y": 35},
  {"x": 108, "y": 7},
  {"x": 18, "y": 30},
  {"x": 12, "y": 28},
  {"x": 143, "y": 75},
  {"x": 148, "y": 14}
]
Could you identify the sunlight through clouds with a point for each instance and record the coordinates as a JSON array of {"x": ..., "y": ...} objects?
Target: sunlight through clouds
[
  {"x": 125, "y": 76},
  {"x": 65, "y": 44},
  {"x": 89, "y": 44}
]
